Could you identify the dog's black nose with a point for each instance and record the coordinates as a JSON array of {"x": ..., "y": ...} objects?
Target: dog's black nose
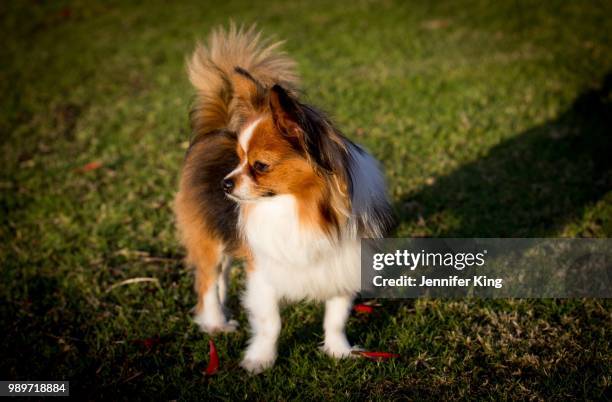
[{"x": 228, "y": 185}]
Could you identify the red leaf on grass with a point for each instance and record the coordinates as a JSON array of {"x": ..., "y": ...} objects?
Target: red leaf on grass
[
  {"x": 377, "y": 355},
  {"x": 148, "y": 343},
  {"x": 91, "y": 166},
  {"x": 213, "y": 359},
  {"x": 66, "y": 12},
  {"x": 363, "y": 308}
]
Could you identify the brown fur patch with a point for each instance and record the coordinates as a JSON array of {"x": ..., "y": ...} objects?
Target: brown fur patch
[
  {"x": 203, "y": 247},
  {"x": 205, "y": 218}
]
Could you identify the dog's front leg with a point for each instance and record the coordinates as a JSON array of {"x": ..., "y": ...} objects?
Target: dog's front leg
[
  {"x": 337, "y": 310},
  {"x": 261, "y": 302}
]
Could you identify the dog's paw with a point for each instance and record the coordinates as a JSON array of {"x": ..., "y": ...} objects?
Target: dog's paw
[
  {"x": 215, "y": 327},
  {"x": 339, "y": 349},
  {"x": 256, "y": 366},
  {"x": 259, "y": 356}
]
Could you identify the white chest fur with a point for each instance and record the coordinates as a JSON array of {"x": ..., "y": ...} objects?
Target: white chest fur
[{"x": 300, "y": 263}]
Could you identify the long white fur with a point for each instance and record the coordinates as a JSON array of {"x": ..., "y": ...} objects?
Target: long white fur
[{"x": 369, "y": 189}]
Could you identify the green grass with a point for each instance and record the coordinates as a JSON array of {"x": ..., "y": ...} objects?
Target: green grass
[{"x": 490, "y": 119}]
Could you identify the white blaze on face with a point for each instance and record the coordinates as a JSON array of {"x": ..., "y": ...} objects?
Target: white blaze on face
[
  {"x": 242, "y": 190},
  {"x": 245, "y": 136}
]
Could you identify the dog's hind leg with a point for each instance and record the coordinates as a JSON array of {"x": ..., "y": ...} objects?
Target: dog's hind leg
[
  {"x": 211, "y": 268},
  {"x": 206, "y": 252},
  {"x": 223, "y": 281}
]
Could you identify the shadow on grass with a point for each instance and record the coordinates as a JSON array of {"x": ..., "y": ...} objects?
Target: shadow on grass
[{"x": 527, "y": 186}]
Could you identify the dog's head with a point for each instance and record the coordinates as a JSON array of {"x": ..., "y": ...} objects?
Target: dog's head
[{"x": 287, "y": 147}]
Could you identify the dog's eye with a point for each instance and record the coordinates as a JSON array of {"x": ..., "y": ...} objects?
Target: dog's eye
[{"x": 260, "y": 167}]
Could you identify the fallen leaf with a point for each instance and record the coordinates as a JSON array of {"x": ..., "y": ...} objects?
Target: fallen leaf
[
  {"x": 66, "y": 12},
  {"x": 363, "y": 308},
  {"x": 213, "y": 360},
  {"x": 435, "y": 24},
  {"x": 91, "y": 166},
  {"x": 378, "y": 356},
  {"x": 148, "y": 342}
]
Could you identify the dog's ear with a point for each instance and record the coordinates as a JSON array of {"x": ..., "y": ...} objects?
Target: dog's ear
[
  {"x": 285, "y": 112},
  {"x": 307, "y": 130}
]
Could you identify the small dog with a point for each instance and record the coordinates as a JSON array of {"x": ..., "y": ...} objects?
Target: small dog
[{"x": 270, "y": 180}]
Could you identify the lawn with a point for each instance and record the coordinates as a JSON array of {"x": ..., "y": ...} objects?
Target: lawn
[{"x": 490, "y": 118}]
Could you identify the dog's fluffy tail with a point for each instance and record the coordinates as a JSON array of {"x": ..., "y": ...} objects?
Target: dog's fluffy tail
[{"x": 231, "y": 73}]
